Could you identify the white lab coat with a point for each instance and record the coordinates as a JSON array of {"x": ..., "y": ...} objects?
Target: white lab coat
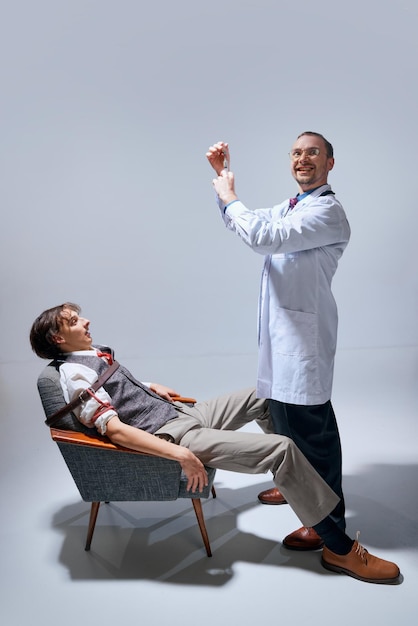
[{"x": 297, "y": 311}]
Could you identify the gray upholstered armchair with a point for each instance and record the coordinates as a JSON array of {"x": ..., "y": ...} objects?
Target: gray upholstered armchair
[{"x": 105, "y": 472}]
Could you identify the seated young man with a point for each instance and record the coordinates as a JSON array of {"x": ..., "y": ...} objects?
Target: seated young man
[{"x": 145, "y": 418}]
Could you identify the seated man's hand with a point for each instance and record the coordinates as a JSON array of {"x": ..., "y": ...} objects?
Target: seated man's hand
[
  {"x": 164, "y": 392},
  {"x": 197, "y": 478}
]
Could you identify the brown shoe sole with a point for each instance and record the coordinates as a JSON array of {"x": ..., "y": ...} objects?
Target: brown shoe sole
[{"x": 302, "y": 548}]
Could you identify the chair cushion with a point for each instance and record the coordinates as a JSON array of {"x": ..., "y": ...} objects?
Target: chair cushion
[{"x": 117, "y": 476}]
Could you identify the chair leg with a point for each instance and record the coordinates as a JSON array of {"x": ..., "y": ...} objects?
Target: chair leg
[
  {"x": 92, "y": 523},
  {"x": 197, "y": 505},
  {"x": 213, "y": 492}
]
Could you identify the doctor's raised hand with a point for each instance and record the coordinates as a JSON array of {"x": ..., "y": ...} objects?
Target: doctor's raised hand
[{"x": 217, "y": 154}]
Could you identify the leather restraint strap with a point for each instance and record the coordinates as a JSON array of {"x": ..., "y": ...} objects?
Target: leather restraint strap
[{"x": 84, "y": 395}]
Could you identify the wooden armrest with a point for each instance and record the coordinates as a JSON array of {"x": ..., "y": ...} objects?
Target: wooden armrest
[
  {"x": 184, "y": 400},
  {"x": 92, "y": 441}
]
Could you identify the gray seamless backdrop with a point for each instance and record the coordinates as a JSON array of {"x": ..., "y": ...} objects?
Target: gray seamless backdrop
[{"x": 107, "y": 109}]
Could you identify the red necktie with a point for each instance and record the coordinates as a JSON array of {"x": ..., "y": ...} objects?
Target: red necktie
[{"x": 293, "y": 203}]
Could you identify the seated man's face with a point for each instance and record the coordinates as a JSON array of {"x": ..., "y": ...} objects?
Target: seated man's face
[{"x": 74, "y": 332}]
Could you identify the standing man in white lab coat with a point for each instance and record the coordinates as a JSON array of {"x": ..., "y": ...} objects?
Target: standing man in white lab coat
[{"x": 302, "y": 240}]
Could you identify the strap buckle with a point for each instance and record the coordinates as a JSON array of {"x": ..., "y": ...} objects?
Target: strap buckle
[{"x": 85, "y": 394}]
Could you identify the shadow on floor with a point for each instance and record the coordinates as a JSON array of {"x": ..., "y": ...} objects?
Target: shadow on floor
[
  {"x": 161, "y": 541},
  {"x": 381, "y": 502}
]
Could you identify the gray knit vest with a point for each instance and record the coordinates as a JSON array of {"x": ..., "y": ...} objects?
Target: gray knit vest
[{"x": 134, "y": 402}]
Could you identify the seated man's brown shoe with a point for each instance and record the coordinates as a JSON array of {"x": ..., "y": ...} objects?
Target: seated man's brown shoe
[
  {"x": 272, "y": 496},
  {"x": 303, "y": 539},
  {"x": 360, "y": 564}
]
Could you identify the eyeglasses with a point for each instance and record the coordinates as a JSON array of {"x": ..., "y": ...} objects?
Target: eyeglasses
[{"x": 309, "y": 152}]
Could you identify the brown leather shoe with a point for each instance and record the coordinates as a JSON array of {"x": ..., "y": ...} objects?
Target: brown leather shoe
[
  {"x": 360, "y": 564},
  {"x": 303, "y": 539},
  {"x": 272, "y": 496}
]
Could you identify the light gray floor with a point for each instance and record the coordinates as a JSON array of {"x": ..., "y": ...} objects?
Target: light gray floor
[{"x": 147, "y": 564}]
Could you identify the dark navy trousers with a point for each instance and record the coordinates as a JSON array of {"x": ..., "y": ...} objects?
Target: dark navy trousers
[{"x": 314, "y": 430}]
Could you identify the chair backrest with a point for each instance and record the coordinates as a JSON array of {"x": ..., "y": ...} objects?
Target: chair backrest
[{"x": 52, "y": 399}]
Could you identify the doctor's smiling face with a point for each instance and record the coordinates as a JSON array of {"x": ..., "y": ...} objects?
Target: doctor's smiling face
[{"x": 310, "y": 161}]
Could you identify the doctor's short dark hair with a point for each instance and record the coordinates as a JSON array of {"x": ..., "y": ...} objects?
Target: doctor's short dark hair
[
  {"x": 328, "y": 145},
  {"x": 45, "y": 327}
]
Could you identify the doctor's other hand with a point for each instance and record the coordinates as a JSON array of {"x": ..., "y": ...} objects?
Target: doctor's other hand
[
  {"x": 224, "y": 186},
  {"x": 217, "y": 154}
]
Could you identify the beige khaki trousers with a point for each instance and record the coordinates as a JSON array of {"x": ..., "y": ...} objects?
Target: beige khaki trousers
[{"x": 209, "y": 430}]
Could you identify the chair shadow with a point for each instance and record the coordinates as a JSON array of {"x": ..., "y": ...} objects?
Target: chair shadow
[{"x": 161, "y": 541}]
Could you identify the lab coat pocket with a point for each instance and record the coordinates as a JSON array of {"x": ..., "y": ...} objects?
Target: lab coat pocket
[{"x": 293, "y": 333}]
